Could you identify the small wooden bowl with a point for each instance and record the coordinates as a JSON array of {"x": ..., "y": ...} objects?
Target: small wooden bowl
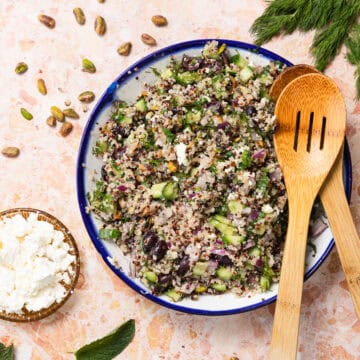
[{"x": 28, "y": 316}]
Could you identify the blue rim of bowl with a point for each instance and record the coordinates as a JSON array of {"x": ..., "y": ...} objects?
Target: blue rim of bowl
[{"x": 105, "y": 99}]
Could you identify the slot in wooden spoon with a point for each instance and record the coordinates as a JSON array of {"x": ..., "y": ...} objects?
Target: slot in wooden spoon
[
  {"x": 333, "y": 198},
  {"x": 311, "y": 118}
]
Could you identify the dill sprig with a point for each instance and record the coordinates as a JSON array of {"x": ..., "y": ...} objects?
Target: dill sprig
[
  {"x": 353, "y": 55},
  {"x": 333, "y": 21}
]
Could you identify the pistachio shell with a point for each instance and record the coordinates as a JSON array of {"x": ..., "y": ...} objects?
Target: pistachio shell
[
  {"x": 10, "y": 151},
  {"x": 79, "y": 16},
  {"x": 124, "y": 49},
  {"x": 26, "y": 114},
  {"x": 100, "y": 25},
  {"x": 88, "y": 66},
  {"x": 65, "y": 129},
  {"x": 41, "y": 86},
  {"x": 148, "y": 40},
  {"x": 86, "y": 96},
  {"x": 71, "y": 113},
  {"x": 57, "y": 114},
  {"x": 21, "y": 68},
  {"x": 51, "y": 121},
  {"x": 159, "y": 20},
  {"x": 48, "y": 21}
]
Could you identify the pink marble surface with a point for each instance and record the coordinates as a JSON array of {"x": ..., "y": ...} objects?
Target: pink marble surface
[{"x": 43, "y": 176}]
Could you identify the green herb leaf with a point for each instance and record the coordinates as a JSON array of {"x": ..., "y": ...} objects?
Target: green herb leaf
[
  {"x": 353, "y": 54},
  {"x": 109, "y": 346},
  {"x": 6, "y": 353},
  {"x": 169, "y": 135},
  {"x": 333, "y": 20}
]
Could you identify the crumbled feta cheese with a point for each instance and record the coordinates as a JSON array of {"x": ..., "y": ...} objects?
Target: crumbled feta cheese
[
  {"x": 34, "y": 259},
  {"x": 180, "y": 150},
  {"x": 267, "y": 209}
]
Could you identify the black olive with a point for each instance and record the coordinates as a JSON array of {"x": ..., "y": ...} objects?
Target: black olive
[
  {"x": 223, "y": 260},
  {"x": 103, "y": 173},
  {"x": 120, "y": 130},
  {"x": 250, "y": 110},
  {"x": 165, "y": 280},
  {"x": 118, "y": 153},
  {"x": 150, "y": 239},
  {"x": 159, "y": 250},
  {"x": 184, "y": 266}
]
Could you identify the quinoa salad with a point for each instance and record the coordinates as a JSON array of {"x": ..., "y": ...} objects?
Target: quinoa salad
[{"x": 190, "y": 188}]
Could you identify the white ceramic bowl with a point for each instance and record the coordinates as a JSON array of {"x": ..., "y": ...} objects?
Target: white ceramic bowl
[{"x": 127, "y": 86}]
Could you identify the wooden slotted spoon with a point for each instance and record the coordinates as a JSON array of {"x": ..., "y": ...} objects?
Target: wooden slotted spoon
[
  {"x": 311, "y": 118},
  {"x": 333, "y": 198}
]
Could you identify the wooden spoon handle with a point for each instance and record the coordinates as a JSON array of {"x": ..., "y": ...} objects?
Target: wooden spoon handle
[
  {"x": 287, "y": 314},
  {"x": 347, "y": 241}
]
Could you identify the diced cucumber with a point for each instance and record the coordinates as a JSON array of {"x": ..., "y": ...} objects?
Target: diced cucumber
[
  {"x": 157, "y": 190},
  {"x": 109, "y": 234},
  {"x": 232, "y": 239},
  {"x": 246, "y": 74},
  {"x": 219, "y": 287},
  {"x": 141, "y": 105},
  {"x": 223, "y": 228},
  {"x": 223, "y": 219},
  {"x": 235, "y": 206},
  {"x": 200, "y": 268},
  {"x": 224, "y": 273},
  {"x": 238, "y": 60},
  {"x": 192, "y": 117},
  {"x": 265, "y": 283},
  {"x": 200, "y": 289},
  {"x": 173, "y": 295},
  {"x": 187, "y": 77},
  {"x": 255, "y": 251},
  {"x": 126, "y": 120},
  {"x": 170, "y": 190},
  {"x": 151, "y": 276},
  {"x": 166, "y": 74}
]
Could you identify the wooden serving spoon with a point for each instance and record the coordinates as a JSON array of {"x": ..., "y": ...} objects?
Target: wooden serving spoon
[
  {"x": 333, "y": 198},
  {"x": 311, "y": 118}
]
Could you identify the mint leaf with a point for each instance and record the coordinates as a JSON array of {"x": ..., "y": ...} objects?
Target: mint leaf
[
  {"x": 6, "y": 353},
  {"x": 109, "y": 346}
]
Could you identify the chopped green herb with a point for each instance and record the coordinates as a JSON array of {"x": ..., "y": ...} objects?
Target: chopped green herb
[
  {"x": 169, "y": 135},
  {"x": 109, "y": 234},
  {"x": 6, "y": 353}
]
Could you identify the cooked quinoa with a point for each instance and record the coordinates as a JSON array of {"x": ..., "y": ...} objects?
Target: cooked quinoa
[{"x": 190, "y": 187}]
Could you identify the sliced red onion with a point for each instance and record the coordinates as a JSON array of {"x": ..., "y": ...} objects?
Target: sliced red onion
[
  {"x": 253, "y": 215},
  {"x": 122, "y": 187},
  {"x": 318, "y": 227},
  {"x": 249, "y": 244},
  {"x": 220, "y": 252},
  {"x": 218, "y": 242},
  {"x": 275, "y": 175},
  {"x": 259, "y": 155},
  {"x": 192, "y": 195},
  {"x": 223, "y": 125},
  {"x": 212, "y": 266}
]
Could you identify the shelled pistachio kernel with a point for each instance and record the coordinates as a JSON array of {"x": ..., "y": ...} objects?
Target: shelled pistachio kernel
[
  {"x": 65, "y": 129},
  {"x": 41, "y": 86},
  {"x": 159, "y": 20},
  {"x": 71, "y": 113},
  {"x": 21, "y": 68},
  {"x": 88, "y": 66},
  {"x": 10, "y": 151},
  {"x": 79, "y": 16},
  {"x": 100, "y": 25},
  {"x": 124, "y": 49},
  {"x": 148, "y": 40},
  {"x": 51, "y": 121},
  {"x": 57, "y": 114},
  {"x": 48, "y": 21},
  {"x": 86, "y": 96},
  {"x": 26, "y": 114}
]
